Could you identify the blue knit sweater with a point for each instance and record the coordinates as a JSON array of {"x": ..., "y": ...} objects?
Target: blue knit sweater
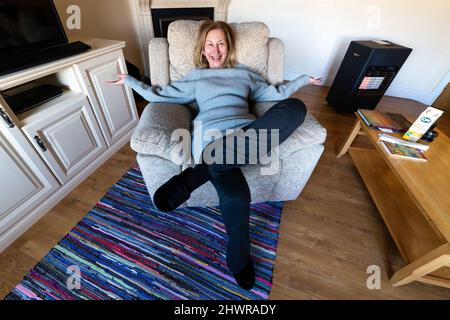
[{"x": 221, "y": 94}]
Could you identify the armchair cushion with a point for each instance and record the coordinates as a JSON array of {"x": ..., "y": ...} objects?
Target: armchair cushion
[
  {"x": 153, "y": 134},
  {"x": 252, "y": 46}
]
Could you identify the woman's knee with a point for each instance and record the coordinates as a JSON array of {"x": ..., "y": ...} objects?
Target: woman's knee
[
  {"x": 297, "y": 109},
  {"x": 294, "y": 111}
]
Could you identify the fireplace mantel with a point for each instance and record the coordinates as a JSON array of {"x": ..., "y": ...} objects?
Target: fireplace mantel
[{"x": 143, "y": 17}]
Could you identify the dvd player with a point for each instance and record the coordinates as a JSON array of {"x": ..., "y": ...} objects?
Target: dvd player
[{"x": 27, "y": 99}]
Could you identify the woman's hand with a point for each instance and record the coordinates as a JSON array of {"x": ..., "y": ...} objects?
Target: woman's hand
[
  {"x": 119, "y": 82},
  {"x": 315, "y": 81}
]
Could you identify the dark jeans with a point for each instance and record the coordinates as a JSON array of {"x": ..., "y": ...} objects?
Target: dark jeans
[{"x": 232, "y": 188}]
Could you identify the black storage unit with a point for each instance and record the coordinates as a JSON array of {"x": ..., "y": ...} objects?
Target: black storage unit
[{"x": 366, "y": 72}]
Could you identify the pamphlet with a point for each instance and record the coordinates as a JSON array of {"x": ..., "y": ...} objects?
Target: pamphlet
[
  {"x": 422, "y": 124},
  {"x": 389, "y": 138}
]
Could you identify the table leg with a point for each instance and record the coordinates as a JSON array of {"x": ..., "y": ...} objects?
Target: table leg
[
  {"x": 430, "y": 262},
  {"x": 350, "y": 139}
]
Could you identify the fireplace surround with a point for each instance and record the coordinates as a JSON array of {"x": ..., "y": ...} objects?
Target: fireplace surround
[
  {"x": 143, "y": 19},
  {"x": 163, "y": 17}
]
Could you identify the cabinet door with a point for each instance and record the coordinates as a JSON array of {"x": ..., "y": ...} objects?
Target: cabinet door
[
  {"x": 24, "y": 181},
  {"x": 114, "y": 106},
  {"x": 68, "y": 138}
]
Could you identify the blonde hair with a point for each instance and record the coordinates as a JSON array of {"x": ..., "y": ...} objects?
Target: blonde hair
[{"x": 208, "y": 25}]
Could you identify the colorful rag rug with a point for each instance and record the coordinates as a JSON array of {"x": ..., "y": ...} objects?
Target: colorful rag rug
[{"x": 126, "y": 249}]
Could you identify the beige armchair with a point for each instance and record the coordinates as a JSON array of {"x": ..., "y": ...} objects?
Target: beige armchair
[{"x": 171, "y": 59}]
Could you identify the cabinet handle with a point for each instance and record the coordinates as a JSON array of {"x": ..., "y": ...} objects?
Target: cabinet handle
[
  {"x": 6, "y": 118},
  {"x": 40, "y": 143}
]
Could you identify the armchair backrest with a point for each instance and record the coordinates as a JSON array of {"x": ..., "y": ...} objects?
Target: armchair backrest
[{"x": 172, "y": 58}]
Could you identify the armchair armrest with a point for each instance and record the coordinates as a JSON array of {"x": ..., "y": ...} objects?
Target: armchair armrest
[
  {"x": 158, "y": 52},
  {"x": 154, "y": 131},
  {"x": 309, "y": 134}
]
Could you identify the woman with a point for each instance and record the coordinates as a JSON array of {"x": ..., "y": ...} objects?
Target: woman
[{"x": 222, "y": 89}]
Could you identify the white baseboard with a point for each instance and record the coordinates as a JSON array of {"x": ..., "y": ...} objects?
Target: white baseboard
[
  {"x": 422, "y": 96},
  {"x": 407, "y": 93},
  {"x": 440, "y": 87},
  {"x": 25, "y": 223}
]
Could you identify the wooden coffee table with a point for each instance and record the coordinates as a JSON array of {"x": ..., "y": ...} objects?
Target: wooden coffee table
[{"x": 413, "y": 199}]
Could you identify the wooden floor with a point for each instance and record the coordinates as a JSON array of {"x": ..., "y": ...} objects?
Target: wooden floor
[{"x": 328, "y": 236}]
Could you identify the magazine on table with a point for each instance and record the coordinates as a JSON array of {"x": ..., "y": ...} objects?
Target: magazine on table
[{"x": 396, "y": 150}]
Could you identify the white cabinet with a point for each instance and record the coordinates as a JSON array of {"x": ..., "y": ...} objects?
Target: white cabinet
[
  {"x": 113, "y": 105},
  {"x": 67, "y": 136},
  {"x": 48, "y": 150},
  {"x": 24, "y": 182}
]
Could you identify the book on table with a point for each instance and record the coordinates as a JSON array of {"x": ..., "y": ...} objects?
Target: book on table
[
  {"x": 404, "y": 152},
  {"x": 384, "y": 121}
]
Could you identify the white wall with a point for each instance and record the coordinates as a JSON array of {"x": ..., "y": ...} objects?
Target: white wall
[
  {"x": 107, "y": 19},
  {"x": 317, "y": 33}
]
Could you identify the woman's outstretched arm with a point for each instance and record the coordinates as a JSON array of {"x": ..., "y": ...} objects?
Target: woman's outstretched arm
[
  {"x": 262, "y": 91},
  {"x": 182, "y": 92}
]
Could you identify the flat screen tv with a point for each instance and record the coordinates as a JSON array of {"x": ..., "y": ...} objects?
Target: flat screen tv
[
  {"x": 27, "y": 29},
  {"x": 29, "y": 24}
]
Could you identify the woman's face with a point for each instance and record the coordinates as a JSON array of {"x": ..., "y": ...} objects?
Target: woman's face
[{"x": 216, "y": 48}]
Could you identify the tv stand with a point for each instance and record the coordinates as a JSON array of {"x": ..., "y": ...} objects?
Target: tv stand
[{"x": 50, "y": 149}]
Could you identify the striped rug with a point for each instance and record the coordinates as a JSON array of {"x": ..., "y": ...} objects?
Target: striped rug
[{"x": 126, "y": 249}]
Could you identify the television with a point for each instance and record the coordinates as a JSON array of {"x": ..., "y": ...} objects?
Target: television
[{"x": 31, "y": 33}]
